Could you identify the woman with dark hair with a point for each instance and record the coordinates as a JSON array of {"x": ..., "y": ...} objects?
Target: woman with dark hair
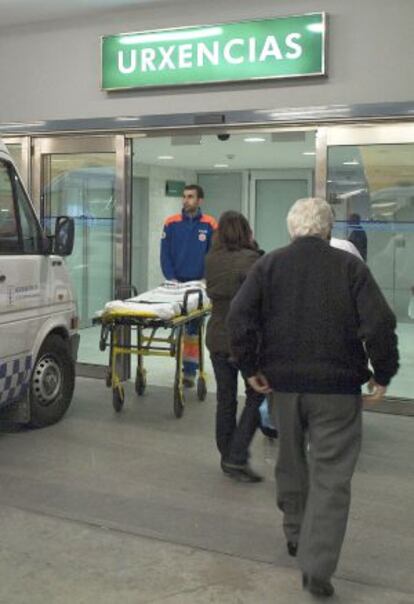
[{"x": 232, "y": 254}]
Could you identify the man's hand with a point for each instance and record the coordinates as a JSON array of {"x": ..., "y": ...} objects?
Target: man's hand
[
  {"x": 259, "y": 383},
  {"x": 376, "y": 393}
]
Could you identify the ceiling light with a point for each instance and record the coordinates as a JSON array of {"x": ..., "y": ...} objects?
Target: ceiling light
[
  {"x": 353, "y": 162},
  {"x": 309, "y": 153},
  {"x": 316, "y": 28},
  {"x": 254, "y": 139},
  {"x": 165, "y": 157},
  {"x": 221, "y": 165},
  {"x": 390, "y": 204}
]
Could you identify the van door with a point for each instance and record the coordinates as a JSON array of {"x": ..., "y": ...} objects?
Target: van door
[{"x": 23, "y": 278}]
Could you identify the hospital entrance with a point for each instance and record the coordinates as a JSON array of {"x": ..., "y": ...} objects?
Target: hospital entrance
[{"x": 120, "y": 189}]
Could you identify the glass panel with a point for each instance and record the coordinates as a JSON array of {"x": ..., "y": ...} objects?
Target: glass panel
[
  {"x": 280, "y": 165},
  {"x": 274, "y": 199},
  {"x": 372, "y": 190},
  {"x": 82, "y": 186},
  {"x": 9, "y": 237}
]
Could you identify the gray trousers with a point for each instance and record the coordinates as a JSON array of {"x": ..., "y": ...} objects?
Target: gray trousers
[{"x": 314, "y": 487}]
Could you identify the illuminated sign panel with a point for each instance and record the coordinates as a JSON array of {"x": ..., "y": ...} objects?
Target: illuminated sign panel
[{"x": 286, "y": 47}]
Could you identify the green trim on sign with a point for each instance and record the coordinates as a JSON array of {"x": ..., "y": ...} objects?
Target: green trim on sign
[{"x": 287, "y": 47}]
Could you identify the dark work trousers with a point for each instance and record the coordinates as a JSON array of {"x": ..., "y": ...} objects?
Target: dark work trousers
[
  {"x": 233, "y": 440},
  {"x": 314, "y": 487}
]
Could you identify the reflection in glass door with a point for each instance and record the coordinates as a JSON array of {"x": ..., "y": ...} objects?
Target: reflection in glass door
[
  {"x": 371, "y": 186},
  {"x": 82, "y": 186},
  {"x": 78, "y": 178}
]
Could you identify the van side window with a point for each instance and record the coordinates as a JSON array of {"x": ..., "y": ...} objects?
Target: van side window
[
  {"x": 9, "y": 234},
  {"x": 30, "y": 229},
  {"x": 20, "y": 231}
]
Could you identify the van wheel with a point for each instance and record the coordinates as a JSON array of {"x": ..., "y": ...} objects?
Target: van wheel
[{"x": 52, "y": 383}]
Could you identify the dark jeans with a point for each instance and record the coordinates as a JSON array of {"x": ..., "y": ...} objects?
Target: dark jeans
[{"x": 233, "y": 440}]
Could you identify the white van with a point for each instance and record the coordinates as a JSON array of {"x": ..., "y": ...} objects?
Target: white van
[{"x": 38, "y": 314}]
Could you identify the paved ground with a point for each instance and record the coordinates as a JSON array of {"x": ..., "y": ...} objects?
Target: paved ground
[{"x": 132, "y": 508}]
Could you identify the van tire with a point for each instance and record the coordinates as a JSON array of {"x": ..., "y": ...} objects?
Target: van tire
[{"x": 52, "y": 383}]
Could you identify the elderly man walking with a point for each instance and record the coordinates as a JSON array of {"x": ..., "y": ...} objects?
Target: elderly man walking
[{"x": 305, "y": 324}]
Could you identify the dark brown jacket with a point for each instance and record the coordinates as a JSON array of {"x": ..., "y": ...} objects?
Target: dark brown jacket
[{"x": 224, "y": 272}]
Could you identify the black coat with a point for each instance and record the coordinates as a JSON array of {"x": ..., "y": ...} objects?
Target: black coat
[
  {"x": 309, "y": 316},
  {"x": 225, "y": 271}
]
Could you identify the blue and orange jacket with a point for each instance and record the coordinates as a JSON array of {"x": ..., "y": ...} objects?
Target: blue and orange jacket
[{"x": 185, "y": 241}]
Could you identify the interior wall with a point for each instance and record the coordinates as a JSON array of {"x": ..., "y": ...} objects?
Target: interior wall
[
  {"x": 223, "y": 191},
  {"x": 52, "y": 70}
]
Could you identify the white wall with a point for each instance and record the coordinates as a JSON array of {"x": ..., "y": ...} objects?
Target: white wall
[{"x": 51, "y": 71}]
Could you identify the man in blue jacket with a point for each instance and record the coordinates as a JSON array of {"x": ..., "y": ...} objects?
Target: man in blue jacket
[{"x": 185, "y": 241}]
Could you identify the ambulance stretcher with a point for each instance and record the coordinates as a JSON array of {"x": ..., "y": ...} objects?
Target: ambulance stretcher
[{"x": 124, "y": 331}]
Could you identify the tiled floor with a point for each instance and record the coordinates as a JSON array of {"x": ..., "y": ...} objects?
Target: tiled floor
[{"x": 133, "y": 508}]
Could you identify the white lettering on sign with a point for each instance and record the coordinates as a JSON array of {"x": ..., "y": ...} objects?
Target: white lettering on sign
[
  {"x": 227, "y": 51},
  {"x": 185, "y": 56},
  {"x": 132, "y": 62},
  {"x": 166, "y": 58},
  {"x": 210, "y": 55},
  {"x": 297, "y": 48},
  {"x": 147, "y": 59},
  {"x": 270, "y": 49},
  {"x": 252, "y": 50},
  {"x": 234, "y": 52}
]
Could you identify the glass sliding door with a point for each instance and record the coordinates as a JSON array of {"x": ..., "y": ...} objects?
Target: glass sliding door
[
  {"x": 273, "y": 192},
  {"x": 78, "y": 178},
  {"x": 370, "y": 182}
]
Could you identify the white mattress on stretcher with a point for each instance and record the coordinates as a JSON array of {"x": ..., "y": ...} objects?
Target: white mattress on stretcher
[{"x": 163, "y": 302}]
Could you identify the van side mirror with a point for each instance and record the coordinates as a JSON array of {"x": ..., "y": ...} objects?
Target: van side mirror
[{"x": 64, "y": 236}]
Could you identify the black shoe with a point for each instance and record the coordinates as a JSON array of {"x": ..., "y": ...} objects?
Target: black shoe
[
  {"x": 269, "y": 432},
  {"x": 188, "y": 381},
  {"x": 318, "y": 587},
  {"x": 224, "y": 468},
  {"x": 292, "y": 548},
  {"x": 241, "y": 473}
]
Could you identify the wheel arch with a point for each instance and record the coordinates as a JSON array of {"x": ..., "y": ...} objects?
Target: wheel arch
[{"x": 50, "y": 327}]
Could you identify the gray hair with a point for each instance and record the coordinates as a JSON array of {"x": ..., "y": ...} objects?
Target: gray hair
[{"x": 310, "y": 216}]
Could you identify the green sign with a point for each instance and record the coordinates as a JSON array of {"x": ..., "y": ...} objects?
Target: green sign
[
  {"x": 174, "y": 188},
  {"x": 249, "y": 50}
]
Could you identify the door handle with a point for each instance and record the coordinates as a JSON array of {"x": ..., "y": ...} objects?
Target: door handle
[{"x": 2, "y": 278}]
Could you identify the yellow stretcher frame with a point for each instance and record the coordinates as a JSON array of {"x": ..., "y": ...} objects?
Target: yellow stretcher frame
[{"x": 113, "y": 323}]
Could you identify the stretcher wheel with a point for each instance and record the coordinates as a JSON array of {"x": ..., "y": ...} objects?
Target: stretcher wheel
[
  {"x": 201, "y": 389},
  {"x": 140, "y": 381},
  {"x": 118, "y": 398},
  {"x": 108, "y": 378},
  {"x": 178, "y": 401}
]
